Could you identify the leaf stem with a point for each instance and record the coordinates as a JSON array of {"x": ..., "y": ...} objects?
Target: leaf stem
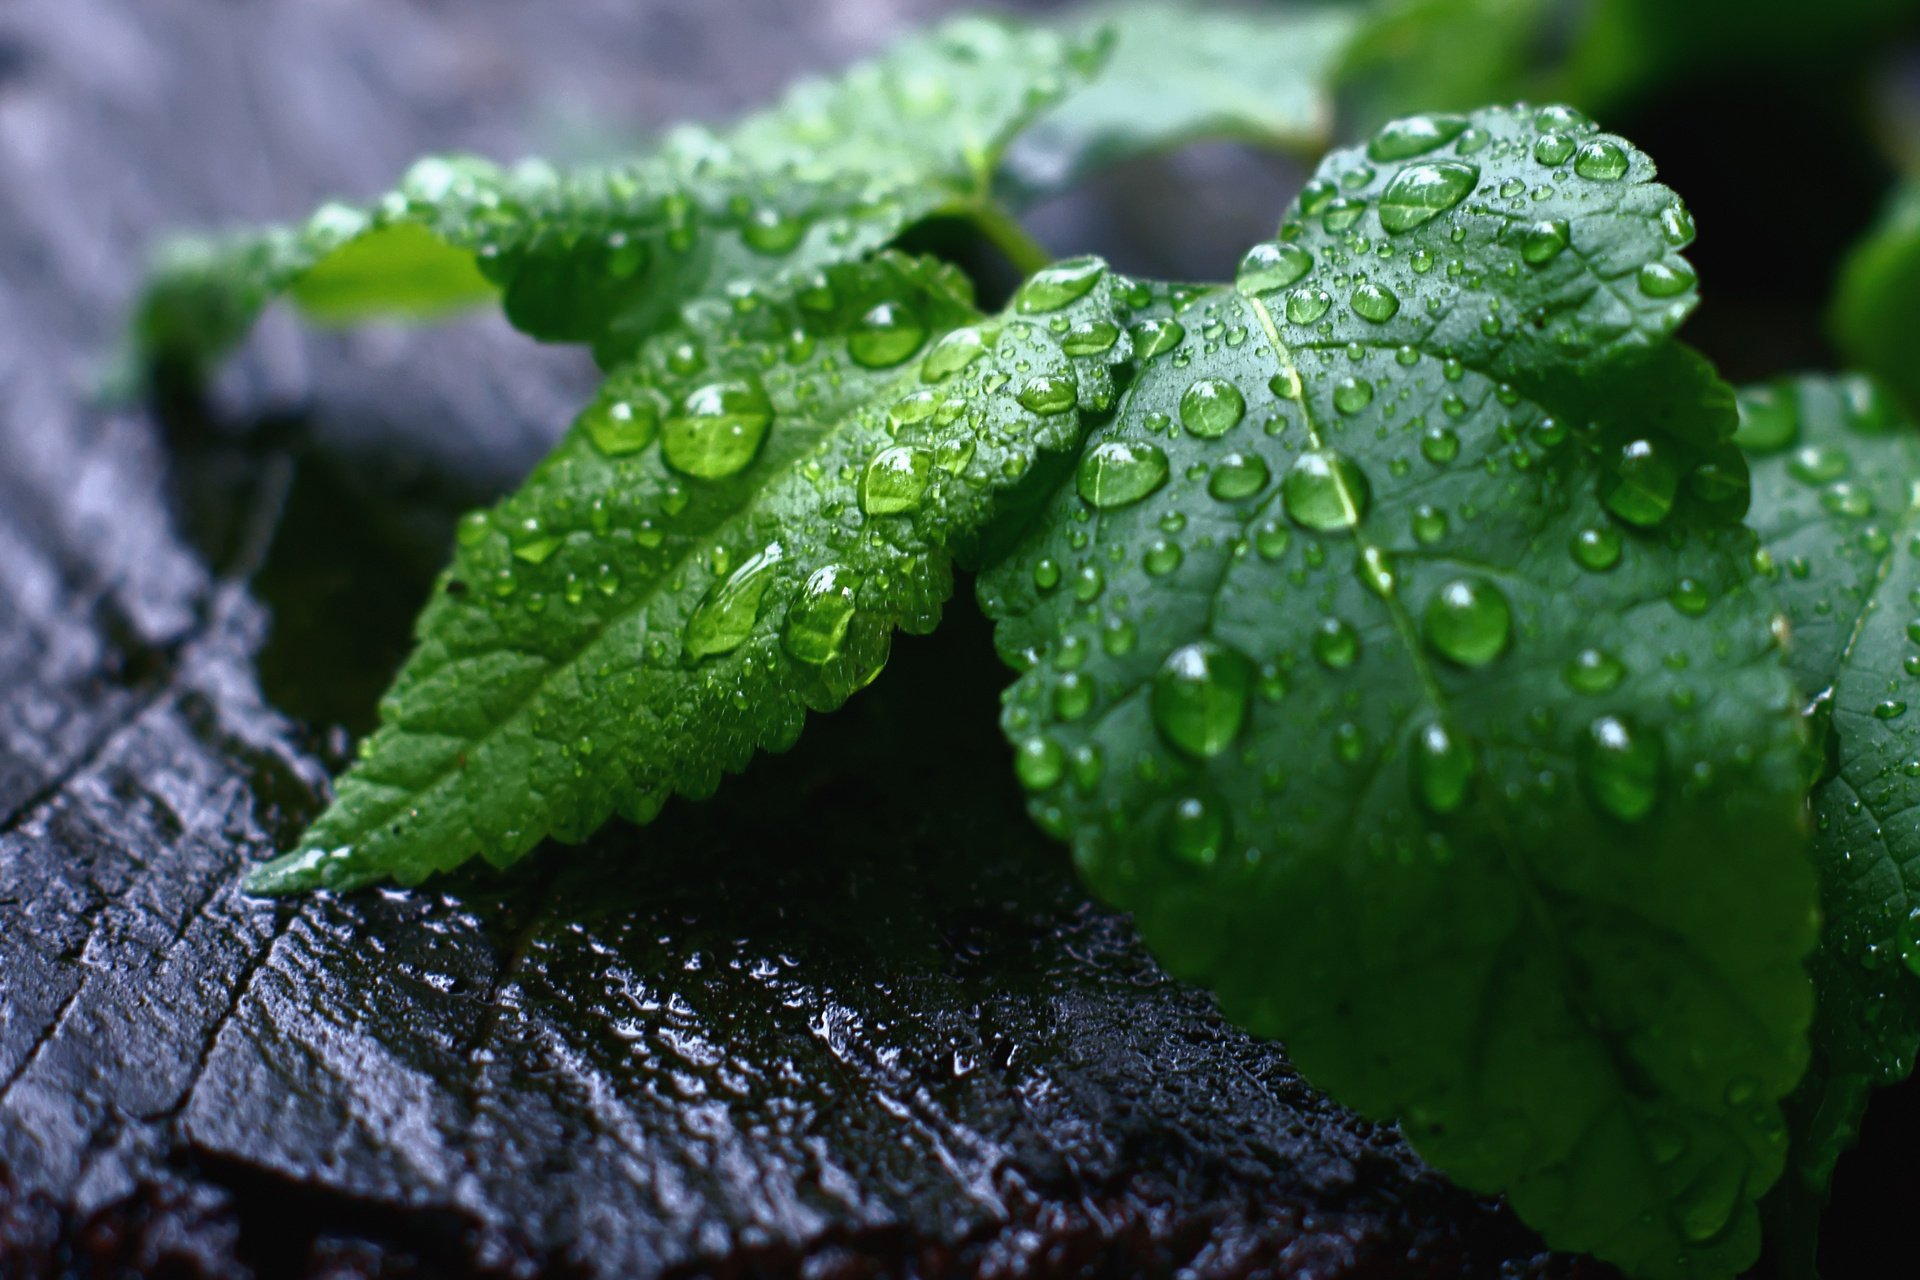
[{"x": 999, "y": 225}]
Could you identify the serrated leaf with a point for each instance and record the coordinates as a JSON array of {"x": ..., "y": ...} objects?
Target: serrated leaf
[
  {"x": 1836, "y": 486},
  {"x": 1178, "y": 72},
  {"x": 726, "y": 538},
  {"x": 606, "y": 254},
  {"x": 1399, "y": 660}
]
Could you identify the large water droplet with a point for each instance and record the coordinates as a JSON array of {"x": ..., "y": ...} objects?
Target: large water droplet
[
  {"x": 1469, "y": 622},
  {"x": 1200, "y": 697},
  {"x": 953, "y": 353},
  {"x": 1304, "y": 306},
  {"x": 725, "y": 619},
  {"x": 886, "y": 335},
  {"x": 1597, "y": 550},
  {"x": 717, "y": 429},
  {"x": 1326, "y": 490},
  {"x": 1212, "y": 407},
  {"x": 1545, "y": 241},
  {"x": 1601, "y": 161},
  {"x": 1115, "y": 473},
  {"x": 1620, "y": 765},
  {"x": 1047, "y": 394},
  {"x": 1374, "y": 303},
  {"x": 1351, "y": 395},
  {"x": 1238, "y": 475},
  {"x": 1642, "y": 483},
  {"x": 1414, "y": 136},
  {"x": 1444, "y": 765},
  {"x": 1156, "y": 337},
  {"x": 816, "y": 628},
  {"x": 1052, "y": 288},
  {"x": 895, "y": 480},
  {"x": 1038, "y": 763},
  {"x": 1667, "y": 279},
  {"x": 1422, "y": 192},
  {"x": 770, "y": 231},
  {"x": 1272, "y": 266},
  {"x": 1090, "y": 338},
  {"x": 619, "y": 427}
]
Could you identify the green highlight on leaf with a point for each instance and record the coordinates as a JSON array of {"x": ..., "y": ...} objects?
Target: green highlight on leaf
[
  {"x": 1876, "y": 304},
  {"x": 1836, "y": 477},
  {"x": 1425, "y": 702}
]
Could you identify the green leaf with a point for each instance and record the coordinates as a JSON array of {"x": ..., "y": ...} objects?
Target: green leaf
[
  {"x": 1876, "y": 305},
  {"x": 727, "y": 537},
  {"x": 1836, "y": 487},
  {"x": 605, "y": 255},
  {"x": 1178, "y": 72},
  {"x": 1399, "y": 660}
]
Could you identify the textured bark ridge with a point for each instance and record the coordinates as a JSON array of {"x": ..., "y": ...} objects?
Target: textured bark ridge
[{"x": 861, "y": 1021}]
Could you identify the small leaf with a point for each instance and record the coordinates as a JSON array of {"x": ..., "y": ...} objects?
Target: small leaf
[
  {"x": 1398, "y": 659},
  {"x": 605, "y": 255},
  {"x": 728, "y": 537},
  {"x": 1177, "y": 73},
  {"x": 1836, "y": 486}
]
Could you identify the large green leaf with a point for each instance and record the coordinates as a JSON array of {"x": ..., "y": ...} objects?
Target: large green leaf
[
  {"x": 605, "y": 255},
  {"x": 1836, "y": 488},
  {"x": 727, "y": 537},
  {"x": 1178, "y": 72},
  {"x": 1399, "y": 659}
]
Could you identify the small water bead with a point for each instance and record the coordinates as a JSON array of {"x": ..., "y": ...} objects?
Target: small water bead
[
  {"x": 1429, "y": 524},
  {"x": 1088, "y": 583},
  {"x": 1601, "y": 161},
  {"x": 1690, "y": 597},
  {"x": 1336, "y": 644},
  {"x": 1162, "y": 557},
  {"x": 1304, "y": 306},
  {"x": 886, "y": 336},
  {"x": 1047, "y": 394},
  {"x": 1272, "y": 539},
  {"x": 1118, "y": 636},
  {"x": 1667, "y": 279},
  {"x": 1090, "y": 338},
  {"x": 1212, "y": 407},
  {"x": 1842, "y": 498},
  {"x": 725, "y": 619},
  {"x": 1818, "y": 464},
  {"x": 1439, "y": 445},
  {"x": 1039, "y": 763},
  {"x": 1444, "y": 766},
  {"x": 473, "y": 528},
  {"x": 1422, "y": 192},
  {"x": 1199, "y": 697},
  {"x": 953, "y": 353},
  {"x": 1052, "y": 288},
  {"x": 1468, "y": 621},
  {"x": 817, "y": 621},
  {"x": 1046, "y": 573},
  {"x": 1475, "y": 139},
  {"x": 1545, "y": 241},
  {"x": 1197, "y": 831},
  {"x": 1115, "y": 473},
  {"x": 1238, "y": 475},
  {"x": 1072, "y": 696},
  {"x": 1891, "y": 709},
  {"x": 1597, "y": 550},
  {"x": 1594, "y": 671},
  {"x": 896, "y": 480},
  {"x": 1414, "y": 136},
  {"x": 1326, "y": 490},
  {"x": 717, "y": 429},
  {"x": 1374, "y": 303},
  {"x": 1271, "y": 266},
  {"x": 1156, "y": 337},
  {"x": 1676, "y": 224},
  {"x": 1553, "y": 149},
  {"x": 620, "y": 427},
  {"x": 1351, "y": 395},
  {"x": 1620, "y": 766},
  {"x": 1642, "y": 484},
  {"x": 770, "y": 231}
]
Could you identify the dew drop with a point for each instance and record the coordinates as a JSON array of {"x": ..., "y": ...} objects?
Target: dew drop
[
  {"x": 717, "y": 429},
  {"x": 952, "y": 354},
  {"x": 1601, "y": 161},
  {"x": 1336, "y": 644},
  {"x": 1039, "y": 763},
  {"x": 1620, "y": 766},
  {"x": 1469, "y": 622},
  {"x": 1304, "y": 306},
  {"x": 1414, "y": 136},
  {"x": 1196, "y": 831},
  {"x": 1326, "y": 490},
  {"x": 1238, "y": 475},
  {"x": 1444, "y": 765},
  {"x": 1156, "y": 337},
  {"x": 1199, "y": 697},
  {"x": 1440, "y": 445},
  {"x": 817, "y": 621},
  {"x": 1553, "y": 149},
  {"x": 1052, "y": 288},
  {"x": 895, "y": 480},
  {"x": 620, "y": 427},
  {"x": 725, "y": 619},
  {"x": 1642, "y": 484},
  {"x": 1090, "y": 338},
  {"x": 1667, "y": 279},
  {"x": 1594, "y": 671},
  {"x": 1047, "y": 394},
  {"x": 1422, "y": 192},
  {"x": 1597, "y": 550},
  {"x": 1374, "y": 304},
  {"x": 1212, "y": 407},
  {"x": 1545, "y": 241},
  {"x": 1351, "y": 395},
  {"x": 770, "y": 231},
  {"x": 886, "y": 336},
  {"x": 1115, "y": 473},
  {"x": 1271, "y": 266}
]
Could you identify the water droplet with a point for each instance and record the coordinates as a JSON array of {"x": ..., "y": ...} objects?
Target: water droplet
[
  {"x": 1212, "y": 407},
  {"x": 1238, "y": 475},
  {"x": 1414, "y": 136},
  {"x": 1676, "y": 224},
  {"x": 1271, "y": 266},
  {"x": 1545, "y": 241},
  {"x": 1038, "y": 763},
  {"x": 886, "y": 335},
  {"x": 1429, "y": 524},
  {"x": 725, "y": 619},
  {"x": 1667, "y": 279},
  {"x": 770, "y": 231},
  {"x": 816, "y": 624},
  {"x": 717, "y": 429},
  {"x": 1601, "y": 161},
  {"x": 1351, "y": 395},
  {"x": 1115, "y": 473},
  {"x": 1422, "y": 192},
  {"x": 1842, "y": 498},
  {"x": 1597, "y": 549},
  {"x": 1200, "y": 697},
  {"x": 1440, "y": 445},
  {"x": 1046, "y": 394},
  {"x": 1469, "y": 622},
  {"x": 1304, "y": 306},
  {"x": 895, "y": 480},
  {"x": 953, "y": 353},
  {"x": 1090, "y": 338},
  {"x": 1374, "y": 304},
  {"x": 1891, "y": 709},
  {"x": 1553, "y": 149},
  {"x": 1335, "y": 644},
  {"x": 1342, "y": 213},
  {"x": 1162, "y": 557},
  {"x": 1444, "y": 766},
  {"x": 1052, "y": 288},
  {"x": 1690, "y": 596},
  {"x": 1326, "y": 490},
  {"x": 1196, "y": 831},
  {"x": 1594, "y": 671},
  {"x": 1156, "y": 337},
  {"x": 620, "y": 427},
  {"x": 1641, "y": 486},
  {"x": 1620, "y": 765}
]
